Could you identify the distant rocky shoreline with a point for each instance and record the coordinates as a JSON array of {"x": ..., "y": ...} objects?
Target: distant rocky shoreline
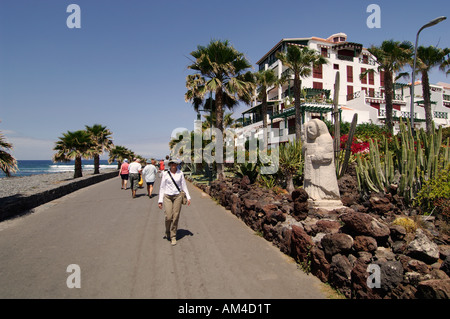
[
  {"x": 32, "y": 184},
  {"x": 19, "y": 194}
]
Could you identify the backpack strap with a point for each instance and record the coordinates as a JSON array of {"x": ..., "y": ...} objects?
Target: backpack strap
[{"x": 174, "y": 181}]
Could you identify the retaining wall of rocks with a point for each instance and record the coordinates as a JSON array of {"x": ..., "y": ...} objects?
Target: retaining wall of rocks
[
  {"x": 342, "y": 246},
  {"x": 12, "y": 206}
]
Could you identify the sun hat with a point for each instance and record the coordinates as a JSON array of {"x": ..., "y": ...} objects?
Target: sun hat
[{"x": 125, "y": 160}]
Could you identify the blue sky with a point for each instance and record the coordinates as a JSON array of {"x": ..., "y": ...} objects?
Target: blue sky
[{"x": 126, "y": 66}]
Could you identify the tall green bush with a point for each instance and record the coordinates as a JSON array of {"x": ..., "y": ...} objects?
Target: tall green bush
[{"x": 434, "y": 196}]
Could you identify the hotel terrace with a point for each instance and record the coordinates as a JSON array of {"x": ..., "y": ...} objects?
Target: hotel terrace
[{"x": 362, "y": 96}]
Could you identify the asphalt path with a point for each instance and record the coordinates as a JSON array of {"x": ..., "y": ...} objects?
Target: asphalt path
[{"x": 116, "y": 244}]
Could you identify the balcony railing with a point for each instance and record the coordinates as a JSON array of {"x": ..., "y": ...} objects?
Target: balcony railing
[
  {"x": 345, "y": 57},
  {"x": 274, "y": 98},
  {"x": 249, "y": 121},
  {"x": 382, "y": 95},
  {"x": 395, "y": 114},
  {"x": 446, "y": 97},
  {"x": 375, "y": 95},
  {"x": 290, "y": 110},
  {"x": 441, "y": 115},
  {"x": 368, "y": 61},
  {"x": 354, "y": 95}
]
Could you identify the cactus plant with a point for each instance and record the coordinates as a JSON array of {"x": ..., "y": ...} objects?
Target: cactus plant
[{"x": 414, "y": 160}]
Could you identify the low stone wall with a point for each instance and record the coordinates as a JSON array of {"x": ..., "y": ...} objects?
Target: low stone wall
[
  {"x": 12, "y": 206},
  {"x": 342, "y": 246}
]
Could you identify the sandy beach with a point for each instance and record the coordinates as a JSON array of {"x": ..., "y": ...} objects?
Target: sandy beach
[{"x": 29, "y": 185}]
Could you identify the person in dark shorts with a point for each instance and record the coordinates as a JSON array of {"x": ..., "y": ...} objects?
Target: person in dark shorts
[
  {"x": 149, "y": 175},
  {"x": 123, "y": 173}
]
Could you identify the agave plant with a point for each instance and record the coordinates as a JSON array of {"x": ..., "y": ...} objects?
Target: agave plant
[
  {"x": 291, "y": 162},
  {"x": 268, "y": 181},
  {"x": 247, "y": 169}
]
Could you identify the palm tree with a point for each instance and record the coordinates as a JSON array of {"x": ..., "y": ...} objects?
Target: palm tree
[
  {"x": 427, "y": 59},
  {"x": 266, "y": 79},
  {"x": 228, "y": 120},
  {"x": 220, "y": 70},
  {"x": 300, "y": 62},
  {"x": 73, "y": 145},
  {"x": 8, "y": 164},
  {"x": 391, "y": 56},
  {"x": 237, "y": 123},
  {"x": 101, "y": 138},
  {"x": 446, "y": 66},
  {"x": 119, "y": 153}
]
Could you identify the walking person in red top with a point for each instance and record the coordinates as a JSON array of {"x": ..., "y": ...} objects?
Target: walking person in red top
[
  {"x": 123, "y": 173},
  {"x": 161, "y": 167}
]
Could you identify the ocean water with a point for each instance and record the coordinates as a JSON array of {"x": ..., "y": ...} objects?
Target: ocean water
[{"x": 35, "y": 167}]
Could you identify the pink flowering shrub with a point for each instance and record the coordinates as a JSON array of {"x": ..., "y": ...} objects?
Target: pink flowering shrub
[{"x": 358, "y": 146}]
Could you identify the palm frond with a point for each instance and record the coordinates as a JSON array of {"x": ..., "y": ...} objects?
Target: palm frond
[
  {"x": 219, "y": 69},
  {"x": 8, "y": 164}
]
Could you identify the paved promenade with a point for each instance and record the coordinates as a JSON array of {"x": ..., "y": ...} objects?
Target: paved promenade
[{"x": 118, "y": 244}]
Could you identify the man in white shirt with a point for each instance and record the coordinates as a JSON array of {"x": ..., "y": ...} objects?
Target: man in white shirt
[
  {"x": 134, "y": 170},
  {"x": 169, "y": 194},
  {"x": 166, "y": 163}
]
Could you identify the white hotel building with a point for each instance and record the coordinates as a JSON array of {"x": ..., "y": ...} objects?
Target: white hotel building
[{"x": 362, "y": 96}]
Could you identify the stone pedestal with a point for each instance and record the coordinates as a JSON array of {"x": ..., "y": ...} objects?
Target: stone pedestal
[{"x": 329, "y": 204}]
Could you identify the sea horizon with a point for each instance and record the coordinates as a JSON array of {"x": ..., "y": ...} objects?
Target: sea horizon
[{"x": 39, "y": 167}]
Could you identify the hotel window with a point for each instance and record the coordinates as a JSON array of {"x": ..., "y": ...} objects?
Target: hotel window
[
  {"x": 371, "y": 79},
  {"x": 371, "y": 92},
  {"x": 365, "y": 59},
  {"x": 336, "y": 66},
  {"x": 349, "y": 92},
  {"x": 349, "y": 73},
  {"x": 382, "y": 78},
  {"x": 324, "y": 52},
  {"x": 317, "y": 72},
  {"x": 317, "y": 85},
  {"x": 364, "y": 79}
]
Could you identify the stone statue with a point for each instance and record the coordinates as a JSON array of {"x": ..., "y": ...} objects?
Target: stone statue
[{"x": 320, "y": 180}]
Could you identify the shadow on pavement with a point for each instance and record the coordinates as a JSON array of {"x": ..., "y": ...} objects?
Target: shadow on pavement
[{"x": 182, "y": 233}]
